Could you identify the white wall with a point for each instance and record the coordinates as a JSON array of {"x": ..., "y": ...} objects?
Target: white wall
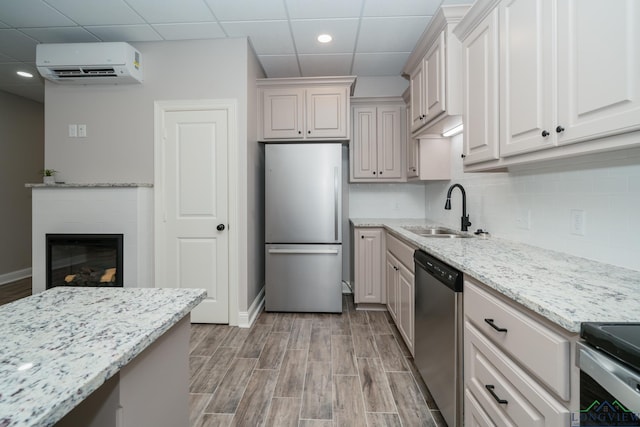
[
  {"x": 605, "y": 186},
  {"x": 21, "y": 159},
  {"x": 120, "y": 129}
]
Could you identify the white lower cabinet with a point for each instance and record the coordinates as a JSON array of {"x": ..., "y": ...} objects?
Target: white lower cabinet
[
  {"x": 368, "y": 264},
  {"x": 517, "y": 370},
  {"x": 400, "y": 287}
]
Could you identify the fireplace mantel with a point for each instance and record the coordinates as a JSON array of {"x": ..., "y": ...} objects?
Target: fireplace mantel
[
  {"x": 88, "y": 185},
  {"x": 125, "y": 209}
]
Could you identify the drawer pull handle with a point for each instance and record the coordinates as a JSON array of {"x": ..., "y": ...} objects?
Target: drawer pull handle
[
  {"x": 493, "y": 325},
  {"x": 495, "y": 396}
]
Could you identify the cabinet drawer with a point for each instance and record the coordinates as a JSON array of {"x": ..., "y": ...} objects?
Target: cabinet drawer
[
  {"x": 402, "y": 251},
  {"x": 508, "y": 395},
  {"x": 536, "y": 347}
]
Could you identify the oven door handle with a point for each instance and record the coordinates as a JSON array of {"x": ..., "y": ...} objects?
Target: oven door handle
[{"x": 620, "y": 381}]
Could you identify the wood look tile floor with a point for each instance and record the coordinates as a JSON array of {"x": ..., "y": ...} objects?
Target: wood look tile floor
[
  {"x": 307, "y": 370},
  {"x": 302, "y": 369}
]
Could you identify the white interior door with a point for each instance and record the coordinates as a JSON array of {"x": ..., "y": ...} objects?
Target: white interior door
[{"x": 192, "y": 245}]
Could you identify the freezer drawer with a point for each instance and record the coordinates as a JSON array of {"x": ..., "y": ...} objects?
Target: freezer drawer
[{"x": 303, "y": 278}]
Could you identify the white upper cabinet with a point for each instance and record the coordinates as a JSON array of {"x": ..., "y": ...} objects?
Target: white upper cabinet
[
  {"x": 377, "y": 148},
  {"x": 527, "y": 87},
  {"x": 434, "y": 74},
  {"x": 304, "y": 108},
  {"x": 598, "y": 66},
  {"x": 480, "y": 87},
  {"x": 569, "y": 79}
]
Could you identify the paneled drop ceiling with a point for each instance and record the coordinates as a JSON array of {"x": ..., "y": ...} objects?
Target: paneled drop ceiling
[{"x": 370, "y": 37}]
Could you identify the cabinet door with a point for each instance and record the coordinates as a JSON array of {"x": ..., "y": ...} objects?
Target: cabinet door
[
  {"x": 598, "y": 68},
  {"x": 434, "y": 79},
  {"x": 480, "y": 64},
  {"x": 363, "y": 150},
  {"x": 392, "y": 285},
  {"x": 282, "y": 113},
  {"x": 405, "y": 306},
  {"x": 527, "y": 83},
  {"x": 417, "y": 97},
  {"x": 369, "y": 266},
  {"x": 327, "y": 113},
  {"x": 389, "y": 142}
]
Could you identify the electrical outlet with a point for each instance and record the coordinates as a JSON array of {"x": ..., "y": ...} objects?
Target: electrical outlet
[
  {"x": 73, "y": 131},
  {"x": 578, "y": 222},
  {"x": 82, "y": 131}
]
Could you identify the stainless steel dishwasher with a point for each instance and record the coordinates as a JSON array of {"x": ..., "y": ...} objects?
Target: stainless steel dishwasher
[{"x": 438, "y": 333}]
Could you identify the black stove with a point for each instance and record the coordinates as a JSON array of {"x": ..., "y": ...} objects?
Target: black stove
[{"x": 620, "y": 340}]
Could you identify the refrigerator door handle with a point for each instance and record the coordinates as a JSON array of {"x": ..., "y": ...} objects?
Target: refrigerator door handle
[
  {"x": 336, "y": 194},
  {"x": 304, "y": 251}
]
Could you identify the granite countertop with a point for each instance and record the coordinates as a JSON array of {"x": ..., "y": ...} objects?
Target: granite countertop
[
  {"x": 60, "y": 345},
  {"x": 566, "y": 289},
  {"x": 94, "y": 185}
]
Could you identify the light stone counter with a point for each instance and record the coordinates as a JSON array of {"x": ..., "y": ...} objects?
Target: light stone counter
[
  {"x": 566, "y": 289},
  {"x": 60, "y": 345},
  {"x": 91, "y": 185}
]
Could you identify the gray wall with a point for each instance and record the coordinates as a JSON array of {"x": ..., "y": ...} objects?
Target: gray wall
[
  {"x": 21, "y": 159},
  {"x": 120, "y": 128}
]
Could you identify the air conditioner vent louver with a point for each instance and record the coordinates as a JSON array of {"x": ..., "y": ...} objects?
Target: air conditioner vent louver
[
  {"x": 84, "y": 72},
  {"x": 86, "y": 63}
]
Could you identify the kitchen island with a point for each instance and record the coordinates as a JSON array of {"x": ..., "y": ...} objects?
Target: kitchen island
[
  {"x": 96, "y": 357},
  {"x": 565, "y": 289}
]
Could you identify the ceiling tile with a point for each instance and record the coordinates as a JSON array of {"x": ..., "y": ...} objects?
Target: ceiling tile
[
  {"x": 156, "y": 12},
  {"x": 60, "y": 35},
  {"x": 326, "y": 65},
  {"x": 17, "y": 45},
  {"x": 379, "y": 64},
  {"x": 8, "y": 75},
  {"x": 401, "y": 7},
  {"x": 300, "y": 9},
  {"x": 390, "y": 34},
  {"x": 31, "y": 13},
  {"x": 280, "y": 65},
  {"x": 3, "y": 25},
  {"x": 267, "y": 37},
  {"x": 247, "y": 10},
  {"x": 125, "y": 33},
  {"x": 190, "y": 31},
  {"x": 343, "y": 32},
  {"x": 97, "y": 12}
]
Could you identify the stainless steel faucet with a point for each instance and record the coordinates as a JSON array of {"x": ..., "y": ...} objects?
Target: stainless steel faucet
[{"x": 464, "y": 221}]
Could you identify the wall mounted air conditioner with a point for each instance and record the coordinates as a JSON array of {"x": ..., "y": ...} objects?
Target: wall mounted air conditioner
[{"x": 89, "y": 63}]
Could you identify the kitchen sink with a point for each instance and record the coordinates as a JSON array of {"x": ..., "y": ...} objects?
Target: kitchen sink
[{"x": 438, "y": 232}]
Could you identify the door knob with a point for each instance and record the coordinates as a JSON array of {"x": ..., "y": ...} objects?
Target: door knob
[{"x": 220, "y": 227}]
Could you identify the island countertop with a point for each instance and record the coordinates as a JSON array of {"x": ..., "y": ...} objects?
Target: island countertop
[
  {"x": 566, "y": 289},
  {"x": 60, "y": 345}
]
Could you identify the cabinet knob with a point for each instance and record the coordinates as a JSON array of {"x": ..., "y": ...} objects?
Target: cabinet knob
[
  {"x": 299, "y": 132},
  {"x": 374, "y": 172},
  {"x": 380, "y": 173},
  {"x": 423, "y": 116},
  {"x": 362, "y": 237},
  {"x": 309, "y": 132},
  {"x": 559, "y": 129},
  {"x": 463, "y": 155},
  {"x": 545, "y": 134}
]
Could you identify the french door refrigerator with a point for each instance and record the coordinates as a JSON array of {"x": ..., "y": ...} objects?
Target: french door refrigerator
[{"x": 303, "y": 233}]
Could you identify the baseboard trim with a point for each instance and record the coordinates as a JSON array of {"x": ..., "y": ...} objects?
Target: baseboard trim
[
  {"x": 246, "y": 318},
  {"x": 14, "y": 276}
]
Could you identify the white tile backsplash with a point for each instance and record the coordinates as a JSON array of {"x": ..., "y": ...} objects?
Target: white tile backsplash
[
  {"x": 387, "y": 200},
  {"x": 533, "y": 204}
]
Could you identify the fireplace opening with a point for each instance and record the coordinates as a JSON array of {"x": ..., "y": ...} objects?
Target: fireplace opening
[{"x": 93, "y": 260}]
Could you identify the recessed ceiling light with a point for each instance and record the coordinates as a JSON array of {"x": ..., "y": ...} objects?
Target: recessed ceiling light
[
  {"x": 24, "y": 74},
  {"x": 324, "y": 38}
]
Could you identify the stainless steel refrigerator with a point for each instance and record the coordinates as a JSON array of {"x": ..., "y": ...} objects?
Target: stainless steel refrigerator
[{"x": 303, "y": 227}]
